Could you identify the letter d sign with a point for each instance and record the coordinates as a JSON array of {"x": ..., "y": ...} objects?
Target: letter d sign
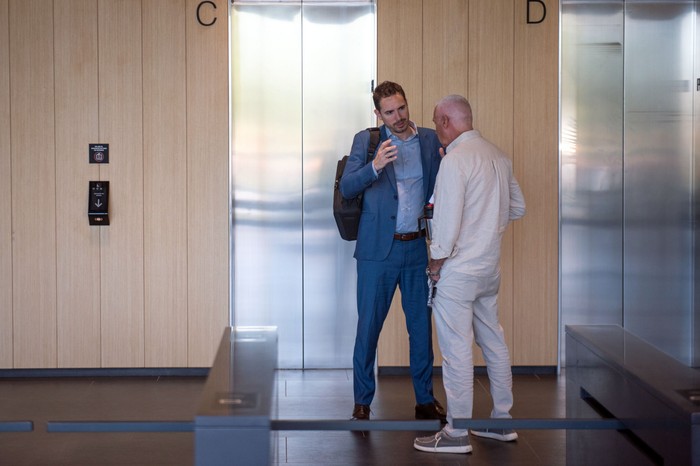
[{"x": 529, "y": 13}]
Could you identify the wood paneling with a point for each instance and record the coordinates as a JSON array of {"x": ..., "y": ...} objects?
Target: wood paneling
[
  {"x": 34, "y": 193},
  {"x": 207, "y": 183},
  {"x": 536, "y": 166},
  {"x": 165, "y": 183},
  {"x": 484, "y": 50},
  {"x": 490, "y": 93},
  {"x": 5, "y": 194},
  {"x": 142, "y": 75},
  {"x": 445, "y": 52},
  {"x": 490, "y": 90},
  {"x": 400, "y": 49},
  {"x": 400, "y": 59},
  {"x": 77, "y": 243},
  {"x": 150, "y": 289},
  {"x": 121, "y": 102}
]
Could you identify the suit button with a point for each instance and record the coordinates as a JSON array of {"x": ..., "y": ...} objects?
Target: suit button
[
  {"x": 393, "y": 217},
  {"x": 395, "y": 196}
]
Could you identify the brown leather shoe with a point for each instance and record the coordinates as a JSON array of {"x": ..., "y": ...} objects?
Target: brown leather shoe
[
  {"x": 360, "y": 413},
  {"x": 432, "y": 410}
]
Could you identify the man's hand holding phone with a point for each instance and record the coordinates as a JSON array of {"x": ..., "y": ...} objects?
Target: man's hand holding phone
[{"x": 385, "y": 155}]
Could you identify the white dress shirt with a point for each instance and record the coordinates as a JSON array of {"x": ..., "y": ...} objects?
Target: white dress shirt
[{"x": 476, "y": 195}]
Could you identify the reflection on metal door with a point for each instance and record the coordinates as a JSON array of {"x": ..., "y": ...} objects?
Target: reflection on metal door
[
  {"x": 301, "y": 77},
  {"x": 629, "y": 192}
]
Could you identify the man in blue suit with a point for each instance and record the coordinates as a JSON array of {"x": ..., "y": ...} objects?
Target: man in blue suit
[{"x": 391, "y": 250}]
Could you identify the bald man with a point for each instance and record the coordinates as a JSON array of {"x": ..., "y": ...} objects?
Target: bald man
[{"x": 476, "y": 196}]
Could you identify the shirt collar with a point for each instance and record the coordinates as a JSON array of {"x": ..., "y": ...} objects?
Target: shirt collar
[
  {"x": 414, "y": 133},
  {"x": 465, "y": 136}
]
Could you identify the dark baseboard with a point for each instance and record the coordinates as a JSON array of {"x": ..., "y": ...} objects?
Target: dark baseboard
[
  {"x": 107, "y": 372},
  {"x": 204, "y": 371}
]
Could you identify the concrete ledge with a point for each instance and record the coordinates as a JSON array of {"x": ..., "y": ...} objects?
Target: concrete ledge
[
  {"x": 639, "y": 385},
  {"x": 232, "y": 425}
]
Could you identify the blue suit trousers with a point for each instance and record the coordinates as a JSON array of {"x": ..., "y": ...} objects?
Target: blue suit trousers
[{"x": 376, "y": 285}]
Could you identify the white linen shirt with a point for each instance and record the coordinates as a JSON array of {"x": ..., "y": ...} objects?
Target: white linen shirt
[{"x": 476, "y": 195}]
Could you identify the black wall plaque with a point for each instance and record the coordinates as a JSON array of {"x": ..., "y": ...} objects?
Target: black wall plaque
[{"x": 99, "y": 153}]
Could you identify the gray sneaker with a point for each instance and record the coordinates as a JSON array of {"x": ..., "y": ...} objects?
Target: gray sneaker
[
  {"x": 504, "y": 435},
  {"x": 442, "y": 442}
]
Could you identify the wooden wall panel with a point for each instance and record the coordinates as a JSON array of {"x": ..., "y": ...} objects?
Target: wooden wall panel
[
  {"x": 77, "y": 243},
  {"x": 536, "y": 166},
  {"x": 508, "y": 70},
  {"x": 207, "y": 182},
  {"x": 162, "y": 265},
  {"x": 490, "y": 93},
  {"x": 33, "y": 198},
  {"x": 445, "y": 68},
  {"x": 121, "y": 103},
  {"x": 445, "y": 52},
  {"x": 400, "y": 59},
  {"x": 400, "y": 49},
  {"x": 490, "y": 90},
  {"x": 165, "y": 183},
  {"x": 5, "y": 194}
]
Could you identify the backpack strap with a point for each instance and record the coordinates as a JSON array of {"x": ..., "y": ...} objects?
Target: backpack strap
[{"x": 373, "y": 142}]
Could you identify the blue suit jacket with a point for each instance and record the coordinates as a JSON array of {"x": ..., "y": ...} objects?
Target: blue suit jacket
[{"x": 381, "y": 200}]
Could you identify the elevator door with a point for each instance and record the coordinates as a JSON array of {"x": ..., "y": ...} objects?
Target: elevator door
[
  {"x": 301, "y": 76},
  {"x": 629, "y": 171},
  {"x": 658, "y": 176}
]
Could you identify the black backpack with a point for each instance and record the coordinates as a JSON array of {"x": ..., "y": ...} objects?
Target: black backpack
[{"x": 347, "y": 211}]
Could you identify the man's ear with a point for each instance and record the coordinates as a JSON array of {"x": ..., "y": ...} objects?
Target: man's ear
[
  {"x": 379, "y": 115},
  {"x": 444, "y": 121}
]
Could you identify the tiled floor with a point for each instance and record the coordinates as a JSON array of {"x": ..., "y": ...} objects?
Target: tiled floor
[
  {"x": 311, "y": 394},
  {"x": 328, "y": 395}
]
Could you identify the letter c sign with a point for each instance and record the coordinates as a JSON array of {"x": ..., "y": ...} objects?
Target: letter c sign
[{"x": 212, "y": 5}]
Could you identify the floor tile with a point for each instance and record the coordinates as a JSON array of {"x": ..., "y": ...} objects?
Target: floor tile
[{"x": 313, "y": 394}]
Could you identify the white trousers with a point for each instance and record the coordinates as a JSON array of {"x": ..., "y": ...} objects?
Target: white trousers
[{"x": 466, "y": 310}]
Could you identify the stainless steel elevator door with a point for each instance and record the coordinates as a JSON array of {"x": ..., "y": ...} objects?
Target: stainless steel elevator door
[
  {"x": 591, "y": 164},
  {"x": 628, "y": 170},
  {"x": 301, "y": 79},
  {"x": 658, "y": 250}
]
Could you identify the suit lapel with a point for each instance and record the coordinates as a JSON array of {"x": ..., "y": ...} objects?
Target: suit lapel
[
  {"x": 389, "y": 169},
  {"x": 426, "y": 160}
]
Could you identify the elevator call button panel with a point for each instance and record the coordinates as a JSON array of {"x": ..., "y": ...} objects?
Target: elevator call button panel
[{"x": 98, "y": 207}]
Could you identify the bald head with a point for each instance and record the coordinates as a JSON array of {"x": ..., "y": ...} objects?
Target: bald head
[{"x": 452, "y": 116}]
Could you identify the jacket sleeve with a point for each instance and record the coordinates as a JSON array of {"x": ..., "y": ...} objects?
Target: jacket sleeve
[
  {"x": 358, "y": 174},
  {"x": 431, "y": 146}
]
